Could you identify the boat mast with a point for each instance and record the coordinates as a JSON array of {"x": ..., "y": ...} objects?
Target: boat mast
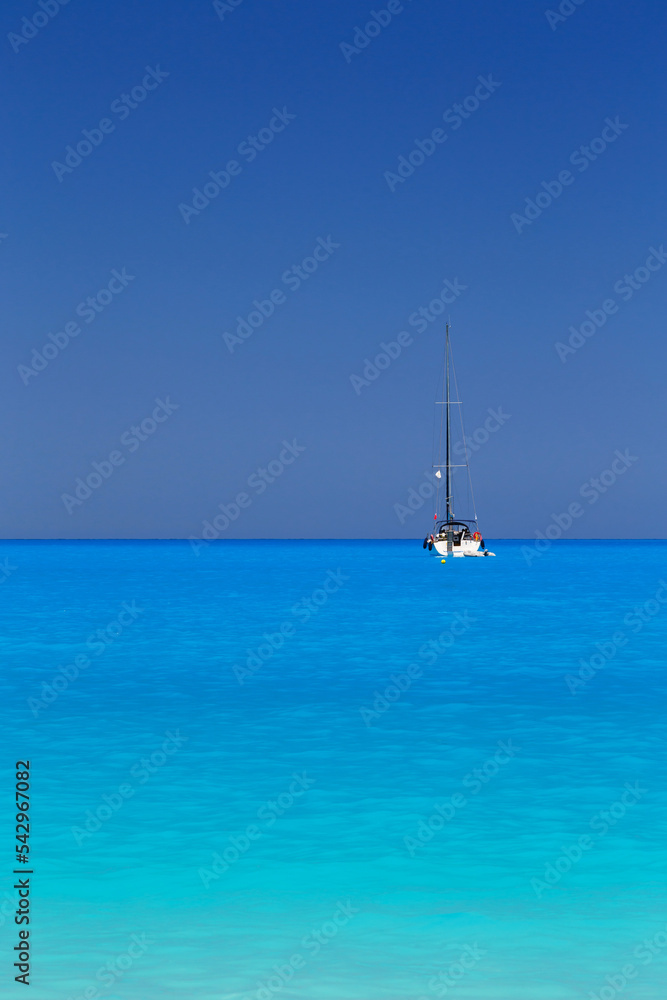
[{"x": 447, "y": 429}]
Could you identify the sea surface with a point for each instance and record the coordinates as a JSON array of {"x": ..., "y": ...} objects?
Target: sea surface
[{"x": 336, "y": 770}]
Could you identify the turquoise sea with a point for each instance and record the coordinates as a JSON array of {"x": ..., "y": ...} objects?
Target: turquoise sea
[{"x": 337, "y": 770}]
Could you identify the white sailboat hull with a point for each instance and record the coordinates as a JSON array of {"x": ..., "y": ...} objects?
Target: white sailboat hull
[{"x": 468, "y": 547}]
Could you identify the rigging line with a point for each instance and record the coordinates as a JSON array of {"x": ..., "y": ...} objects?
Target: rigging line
[
  {"x": 457, "y": 401},
  {"x": 465, "y": 451},
  {"x": 436, "y": 498},
  {"x": 435, "y": 422},
  {"x": 448, "y": 428}
]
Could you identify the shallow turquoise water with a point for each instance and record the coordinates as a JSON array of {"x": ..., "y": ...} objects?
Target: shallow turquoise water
[{"x": 238, "y": 880}]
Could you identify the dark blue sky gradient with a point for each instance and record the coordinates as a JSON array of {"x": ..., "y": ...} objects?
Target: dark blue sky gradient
[{"x": 323, "y": 176}]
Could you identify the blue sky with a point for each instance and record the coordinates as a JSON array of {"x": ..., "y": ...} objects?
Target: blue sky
[{"x": 311, "y": 211}]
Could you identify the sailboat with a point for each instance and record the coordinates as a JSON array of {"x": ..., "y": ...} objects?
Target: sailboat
[{"x": 452, "y": 536}]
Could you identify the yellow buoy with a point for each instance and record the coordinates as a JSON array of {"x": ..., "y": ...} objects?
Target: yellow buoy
[{"x": 443, "y": 560}]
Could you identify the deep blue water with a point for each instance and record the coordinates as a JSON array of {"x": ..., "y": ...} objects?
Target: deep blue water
[{"x": 450, "y": 840}]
